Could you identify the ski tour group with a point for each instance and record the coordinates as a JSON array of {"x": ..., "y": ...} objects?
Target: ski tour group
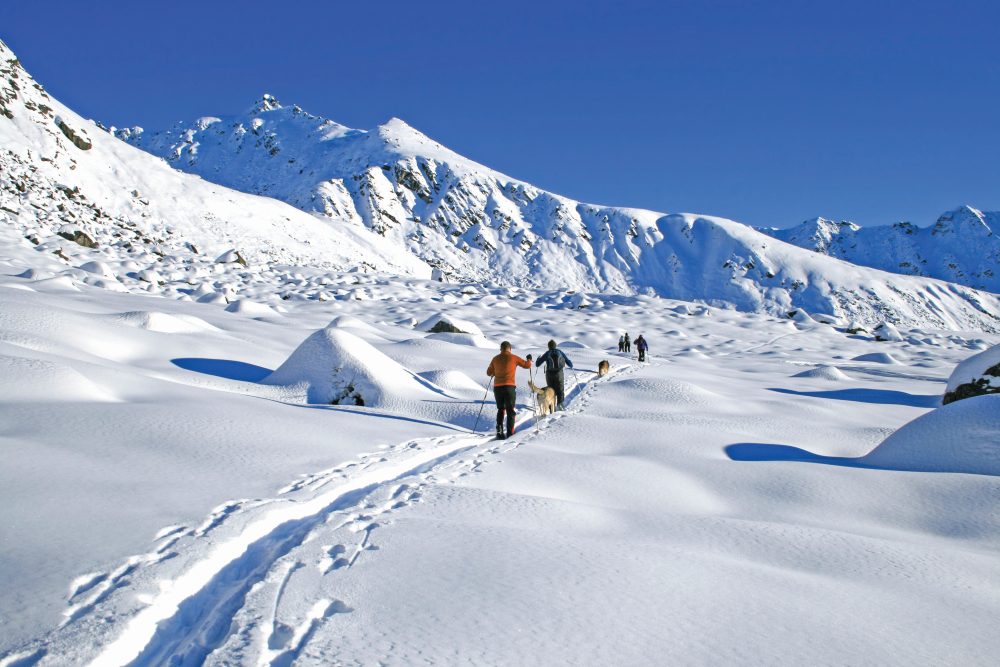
[{"x": 503, "y": 368}]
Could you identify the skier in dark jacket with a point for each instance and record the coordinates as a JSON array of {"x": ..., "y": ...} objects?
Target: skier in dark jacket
[
  {"x": 555, "y": 360},
  {"x": 628, "y": 343},
  {"x": 641, "y": 345}
]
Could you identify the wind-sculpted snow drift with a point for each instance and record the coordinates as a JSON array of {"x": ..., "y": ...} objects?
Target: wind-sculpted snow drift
[{"x": 389, "y": 200}]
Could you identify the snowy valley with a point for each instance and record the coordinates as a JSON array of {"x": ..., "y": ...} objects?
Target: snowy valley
[{"x": 228, "y": 435}]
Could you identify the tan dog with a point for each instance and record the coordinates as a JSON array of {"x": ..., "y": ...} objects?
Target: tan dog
[
  {"x": 603, "y": 368},
  {"x": 546, "y": 398}
]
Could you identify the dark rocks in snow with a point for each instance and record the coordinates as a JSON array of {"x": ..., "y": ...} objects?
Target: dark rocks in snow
[
  {"x": 976, "y": 376},
  {"x": 230, "y": 257},
  {"x": 444, "y": 326},
  {"x": 78, "y": 137},
  {"x": 80, "y": 238},
  {"x": 978, "y": 387}
]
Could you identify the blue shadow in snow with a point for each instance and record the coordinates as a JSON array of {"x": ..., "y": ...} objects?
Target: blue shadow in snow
[
  {"x": 880, "y": 396},
  {"x": 223, "y": 368},
  {"x": 756, "y": 451}
]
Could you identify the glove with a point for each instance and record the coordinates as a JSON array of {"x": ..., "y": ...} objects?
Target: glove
[{"x": 528, "y": 357}]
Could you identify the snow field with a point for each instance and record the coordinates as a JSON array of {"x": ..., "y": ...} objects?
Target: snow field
[{"x": 710, "y": 505}]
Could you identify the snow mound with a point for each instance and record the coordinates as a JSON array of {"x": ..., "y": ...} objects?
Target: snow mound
[
  {"x": 692, "y": 353},
  {"x": 961, "y": 437},
  {"x": 887, "y": 332},
  {"x": 350, "y": 322},
  {"x": 333, "y": 366},
  {"x": 213, "y": 297},
  {"x": 455, "y": 382},
  {"x": 441, "y": 323},
  {"x": 152, "y": 320},
  {"x": 472, "y": 340},
  {"x": 877, "y": 357},
  {"x": 33, "y": 274},
  {"x": 823, "y": 373},
  {"x": 251, "y": 309},
  {"x": 99, "y": 268},
  {"x": 37, "y": 380},
  {"x": 573, "y": 344},
  {"x": 671, "y": 391},
  {"x": 979, "y": 374}
]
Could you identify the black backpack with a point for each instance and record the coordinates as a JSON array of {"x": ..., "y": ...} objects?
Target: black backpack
[{"x": 555, "y": 361}]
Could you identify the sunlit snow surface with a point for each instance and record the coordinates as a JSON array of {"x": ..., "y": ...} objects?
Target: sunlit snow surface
[
  {"x": 721, "y": 503},
  {"x": 176, "y": 488}
]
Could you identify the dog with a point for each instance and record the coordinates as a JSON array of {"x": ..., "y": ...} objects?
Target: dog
[
  {"x": 546, "y": 398},
  {"x": 603, "y": 368}
]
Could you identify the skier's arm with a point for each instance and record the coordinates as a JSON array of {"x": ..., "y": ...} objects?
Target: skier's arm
[
  {"x": 489, "y": 369},
  {"x": 568, "y": 362},
  {"x": 522, "y": 363},
  {"x": 541, "y": 359}
]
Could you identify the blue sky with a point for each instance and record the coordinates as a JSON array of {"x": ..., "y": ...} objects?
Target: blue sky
[{"x": 766, "y": 112}]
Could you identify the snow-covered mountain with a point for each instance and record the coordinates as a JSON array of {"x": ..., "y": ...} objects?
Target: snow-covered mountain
[
  {"x": 961, "y": 247},
  {"x": 61, "y": 174},
  {"x": 389, "y": 200},
  {"x": 474, "y": 223}
]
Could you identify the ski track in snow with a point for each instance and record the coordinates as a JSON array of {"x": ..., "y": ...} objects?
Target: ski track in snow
[{"x": 193, "y": 614}]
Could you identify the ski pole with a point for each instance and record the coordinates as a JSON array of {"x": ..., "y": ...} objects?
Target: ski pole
[
  {"x": 482, "y": 404},
  {"x": 534, "y": 397}
]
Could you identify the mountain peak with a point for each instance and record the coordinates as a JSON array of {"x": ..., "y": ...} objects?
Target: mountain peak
[
  {"x": 267, "y": 102},
  {"x": 5, "y": 52},
  {"x": 965, "y": 219}
]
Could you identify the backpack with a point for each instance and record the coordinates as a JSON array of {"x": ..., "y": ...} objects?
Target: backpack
[{"x": 555, "y": 361}]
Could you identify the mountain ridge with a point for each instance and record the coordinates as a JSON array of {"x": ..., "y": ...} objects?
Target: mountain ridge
[
  {"x": 961, "y": 246},
  {"x": 395, "y": 200}
]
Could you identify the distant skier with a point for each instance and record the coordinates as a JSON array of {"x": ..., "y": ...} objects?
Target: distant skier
[
  {"x": 555, "y": 361},
  {"x": 628, "y": 343},
  {"x": 502, "y": 369},
  {"x": 621, "y": 343},
  {"x": 641, "y": 345}
]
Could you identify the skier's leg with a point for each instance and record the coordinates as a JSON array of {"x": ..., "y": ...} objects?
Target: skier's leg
[
  {"x": 509, "y": 405},
  {"x": 498, "y": 394}
]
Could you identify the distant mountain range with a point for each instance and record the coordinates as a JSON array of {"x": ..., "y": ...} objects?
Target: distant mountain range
[
  {"x": 393, "y": 200},
  {"x": 961, "y": 247}
]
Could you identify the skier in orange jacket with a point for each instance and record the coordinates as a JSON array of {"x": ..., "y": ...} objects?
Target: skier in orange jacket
[{"x": 502, "y": 369}]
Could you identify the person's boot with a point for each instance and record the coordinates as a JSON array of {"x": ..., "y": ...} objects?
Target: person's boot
[{"x": 500, "y": 434}]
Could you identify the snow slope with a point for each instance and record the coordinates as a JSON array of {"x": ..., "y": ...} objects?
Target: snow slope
[
  {"x": 961, "y": 247},
  {"x": 138, "y": 208},
  {"x": 710, "y": 506},
  {"x": 472, "y": 223},
  {"x": 765, "y": 490}
]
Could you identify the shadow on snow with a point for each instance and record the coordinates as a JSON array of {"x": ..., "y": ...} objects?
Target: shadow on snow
[
  {"x": 879, "y": 396},
  {"x": 223, "y": 368}
]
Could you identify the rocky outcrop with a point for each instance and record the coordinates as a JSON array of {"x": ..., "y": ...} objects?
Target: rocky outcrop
[
  {"x": 78, "y": 137},
  {"x": 977, "y": 375},
  {"x": 80, "y": 238}
]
